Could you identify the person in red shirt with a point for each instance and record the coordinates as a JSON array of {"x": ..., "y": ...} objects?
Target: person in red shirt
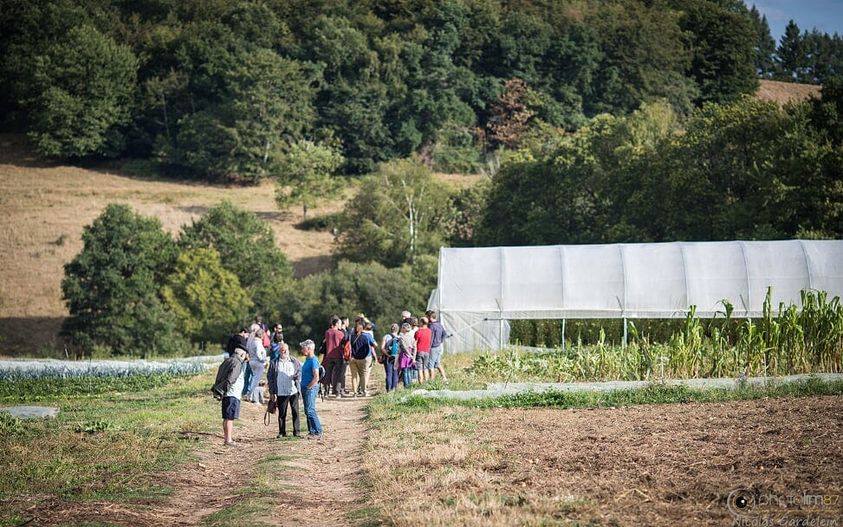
[
  {"x": 333, "y": 362},
  {"x": 423, "y": 339}
]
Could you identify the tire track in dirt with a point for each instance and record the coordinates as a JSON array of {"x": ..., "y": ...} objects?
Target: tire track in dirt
[{"x": 322, "y": 484}]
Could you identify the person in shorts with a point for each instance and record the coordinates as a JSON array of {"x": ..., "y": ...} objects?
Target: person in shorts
[
  {"x": 423, "y": 340},
  {"x": 231, "y": 401},
  {"x": 437, "y": 339}
]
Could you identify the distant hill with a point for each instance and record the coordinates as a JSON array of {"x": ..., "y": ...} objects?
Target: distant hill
[{"x": 785, "y": 92}]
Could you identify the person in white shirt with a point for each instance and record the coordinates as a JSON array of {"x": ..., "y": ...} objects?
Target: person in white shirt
[{"x": 284, "y": 378}]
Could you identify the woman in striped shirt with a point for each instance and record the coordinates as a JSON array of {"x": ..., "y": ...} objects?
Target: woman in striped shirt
[{"x": 284, "y": 378}]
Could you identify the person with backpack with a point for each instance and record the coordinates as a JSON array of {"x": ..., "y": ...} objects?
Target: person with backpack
[
  {"x": 406, "y": 354},
  {"x": 348, "y": 330},
  {"x": 310, "y": 388},
  {"x": 389, "y": 356},
  {"x": 228, "y": 388},
  {"x": 333, "y": 344},
  {"x": 257, "y": 362},
  {"x": 362, "y": 351},
  {"x": 284, "y": 377}
]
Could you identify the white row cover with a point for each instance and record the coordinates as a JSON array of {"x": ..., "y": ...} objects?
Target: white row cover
[{"x": 639, "y": 280}]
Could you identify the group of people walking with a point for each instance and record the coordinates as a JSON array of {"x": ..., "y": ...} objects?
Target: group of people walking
[{"x": 410, "y": 352}]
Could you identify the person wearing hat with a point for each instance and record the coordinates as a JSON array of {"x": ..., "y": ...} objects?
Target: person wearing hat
[{"x": 310, "y": 388}]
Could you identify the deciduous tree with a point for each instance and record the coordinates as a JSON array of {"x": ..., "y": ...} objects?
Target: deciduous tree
[{"x": 112, "y": 286}]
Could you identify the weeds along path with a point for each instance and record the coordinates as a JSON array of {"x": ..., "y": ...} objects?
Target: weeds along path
[
  {"x": 265, "y": 481},
  {"x": 269, "y": 481}
]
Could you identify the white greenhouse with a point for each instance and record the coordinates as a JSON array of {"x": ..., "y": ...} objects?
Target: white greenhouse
[{"x": 480, "y": 289}]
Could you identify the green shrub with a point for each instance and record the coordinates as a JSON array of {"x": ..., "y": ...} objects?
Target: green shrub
[
  {"x": 112, "y": 286},
  {"x": 206, "y": 299},
  {"x": 246, "y": 245},
  {"x": 353, "y": 288},
  {"x": 307, "y": 174},
  {"x": 398, "y": 214}
]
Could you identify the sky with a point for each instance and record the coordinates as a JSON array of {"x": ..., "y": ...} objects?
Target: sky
[{"x": 825, "y": 15}]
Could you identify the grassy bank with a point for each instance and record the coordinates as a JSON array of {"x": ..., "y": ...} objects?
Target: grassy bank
[
  {"x": 109, "y": 440},
  {"x": 652, "y": 394}
]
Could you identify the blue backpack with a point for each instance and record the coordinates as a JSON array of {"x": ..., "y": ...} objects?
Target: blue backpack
[{"x": 394, "y": 347}]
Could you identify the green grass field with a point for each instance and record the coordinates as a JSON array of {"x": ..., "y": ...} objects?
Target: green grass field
[{"x": 109, "y": 440}]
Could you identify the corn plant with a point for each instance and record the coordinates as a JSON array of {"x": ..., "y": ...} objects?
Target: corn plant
[{"x": 785, "y": 340}]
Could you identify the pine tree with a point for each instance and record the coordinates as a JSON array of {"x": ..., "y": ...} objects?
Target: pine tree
[
  {"x": 791, "y": 53},
  {"x": 765, "y": 45}
]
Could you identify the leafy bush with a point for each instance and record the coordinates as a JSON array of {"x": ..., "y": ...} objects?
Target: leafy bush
[
  {"x": 206, "y": 299},
  {"x": 112, "y": 286},
  {"x": 246, "y": 246},
  {"x": 398, "y": 214},
  {"x": 455, "y": 150},
  {"x": 323, "y": 222},
  {"x": 306, "y": 174}
]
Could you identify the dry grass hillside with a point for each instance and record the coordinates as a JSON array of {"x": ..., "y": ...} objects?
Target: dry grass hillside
[
  {"x": 785, "y": 92},
  {"x": 45, "y": 207}
]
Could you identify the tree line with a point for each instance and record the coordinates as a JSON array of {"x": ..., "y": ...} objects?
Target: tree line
[
  {"x": 237, "y": 90},
  {"x": 801, "y": 56},
  {"x": 592, "y": 122}
]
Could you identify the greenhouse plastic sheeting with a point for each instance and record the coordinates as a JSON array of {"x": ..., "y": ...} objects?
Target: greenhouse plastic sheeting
[{"x": 480, "y": 288}]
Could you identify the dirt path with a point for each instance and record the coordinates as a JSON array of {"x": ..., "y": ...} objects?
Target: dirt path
[
  {"x": 324, "y": 487},
  {"x": 314, "y": 482},
  {"x": 265, "y": 481}
]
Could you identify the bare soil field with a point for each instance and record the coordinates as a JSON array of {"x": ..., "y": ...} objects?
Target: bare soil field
[{"x": 643, "y": 465}]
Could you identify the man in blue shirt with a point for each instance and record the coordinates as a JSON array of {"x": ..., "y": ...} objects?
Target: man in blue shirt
[{"x": 310, "y": 388}]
